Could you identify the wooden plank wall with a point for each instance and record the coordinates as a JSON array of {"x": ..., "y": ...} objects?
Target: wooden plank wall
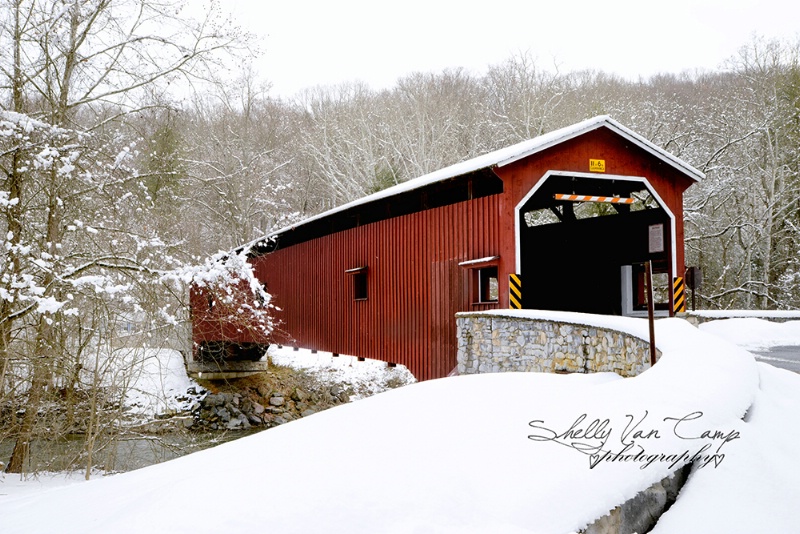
[{"x": 415, "y": 285}]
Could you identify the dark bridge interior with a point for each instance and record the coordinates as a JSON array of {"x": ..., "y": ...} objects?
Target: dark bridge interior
[{"x": 572, "y": 253}]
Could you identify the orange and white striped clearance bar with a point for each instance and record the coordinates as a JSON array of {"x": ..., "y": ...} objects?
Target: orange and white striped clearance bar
[{"x": 588, "y": 198}]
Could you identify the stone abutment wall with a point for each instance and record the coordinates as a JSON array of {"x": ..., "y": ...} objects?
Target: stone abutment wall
[{"x": 494, "y": 343}]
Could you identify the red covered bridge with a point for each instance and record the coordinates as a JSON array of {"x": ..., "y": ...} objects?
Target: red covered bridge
[{"x": 573, "y": 213}]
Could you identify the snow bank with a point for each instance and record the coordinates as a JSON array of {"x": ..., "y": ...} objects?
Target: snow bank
[
  {"x": 757, "y": 489},
  {"x": 154, "y": 381},
  {"x": 464, "y": 454},
  {"x": 755, "y": 334},
  {"x": 16, "y": 486},
  {"x": 763, "y": 314},
  {"x": 159, "y": 384}
]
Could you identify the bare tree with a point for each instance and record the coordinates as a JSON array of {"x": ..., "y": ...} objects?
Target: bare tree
[{"x": 77, "y": 232}]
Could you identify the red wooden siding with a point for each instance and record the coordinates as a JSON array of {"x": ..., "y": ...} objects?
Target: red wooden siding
[{"x": 415, "y": 285}]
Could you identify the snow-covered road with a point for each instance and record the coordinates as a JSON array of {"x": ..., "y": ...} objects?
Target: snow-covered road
[{"x": 784, "y": 357}]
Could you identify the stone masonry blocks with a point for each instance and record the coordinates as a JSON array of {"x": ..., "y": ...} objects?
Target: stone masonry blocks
[{"x": 493, "y": 343}]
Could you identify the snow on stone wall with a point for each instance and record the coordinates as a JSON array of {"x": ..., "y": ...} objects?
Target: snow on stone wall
[{"x": 492, "y": 343}]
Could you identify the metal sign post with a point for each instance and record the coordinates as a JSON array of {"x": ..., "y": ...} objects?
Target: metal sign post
[{"x": 648, "y": 267}]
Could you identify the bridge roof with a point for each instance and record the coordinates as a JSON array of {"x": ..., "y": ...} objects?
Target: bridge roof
[{"x": 502, "y": 157}]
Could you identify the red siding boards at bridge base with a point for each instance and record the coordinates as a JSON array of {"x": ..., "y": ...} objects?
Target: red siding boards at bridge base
[{"x": 415, "y": 284}]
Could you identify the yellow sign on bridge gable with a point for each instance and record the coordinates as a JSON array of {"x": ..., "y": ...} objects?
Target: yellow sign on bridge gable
[{"x": 597, "y": 165}]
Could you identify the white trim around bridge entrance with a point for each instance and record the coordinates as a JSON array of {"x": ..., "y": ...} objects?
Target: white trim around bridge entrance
[{"x": 640, "y": 179}]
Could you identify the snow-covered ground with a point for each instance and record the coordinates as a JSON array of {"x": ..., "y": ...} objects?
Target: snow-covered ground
[
  {"x": 367, "y": 377},
  {"x": 759, "y": 488},
  {"x": 14, "y": 486},
  {"x": 160, "y": 383},
  {"x": 514, "y": 452},
  {"x": 753, "y": 333},
  {"x": 760, "y": 314}
]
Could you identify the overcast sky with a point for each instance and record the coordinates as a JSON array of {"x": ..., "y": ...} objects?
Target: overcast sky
[{"x": 308, "y": 43}]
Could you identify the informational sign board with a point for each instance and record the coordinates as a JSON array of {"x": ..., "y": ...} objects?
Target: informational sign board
[
  {"x": 656, "y": 238},
  {"x": 597, "y": 165}
]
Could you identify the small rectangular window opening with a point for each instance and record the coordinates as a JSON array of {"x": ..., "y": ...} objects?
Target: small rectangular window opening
[
  {"x": 488, "y": 288},
  {"x": 360, "y": 285},
  {"x": 359, "y": 276}
]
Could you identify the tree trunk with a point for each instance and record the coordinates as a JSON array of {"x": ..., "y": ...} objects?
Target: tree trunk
[
  {"x": 13, "y": 213},
  {"x": 22, "y": 447}
]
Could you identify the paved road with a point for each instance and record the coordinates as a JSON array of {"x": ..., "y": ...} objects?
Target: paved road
[{"x": 783, "y": 357}]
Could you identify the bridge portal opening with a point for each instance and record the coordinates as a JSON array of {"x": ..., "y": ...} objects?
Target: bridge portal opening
[{"x": 583, "y": 241}]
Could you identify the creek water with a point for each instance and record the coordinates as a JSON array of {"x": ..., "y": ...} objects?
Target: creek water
[{"x": 123, "y": 454}]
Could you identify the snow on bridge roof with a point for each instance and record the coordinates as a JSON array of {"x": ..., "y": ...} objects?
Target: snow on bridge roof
[{"x": 506, "y": 156}]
